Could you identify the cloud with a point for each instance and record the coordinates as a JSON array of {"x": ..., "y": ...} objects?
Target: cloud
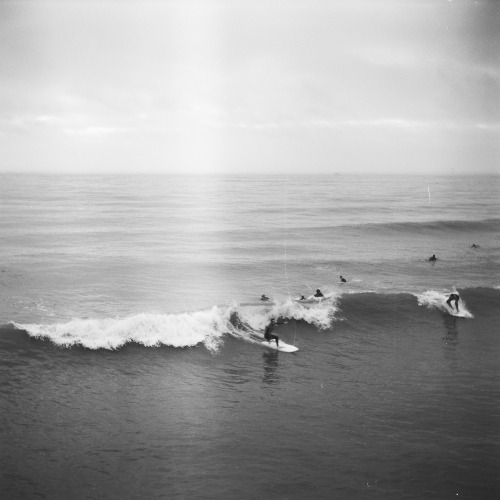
[
  {"x": 417, "y": 58},
  {"x": 97, "y": 131}
]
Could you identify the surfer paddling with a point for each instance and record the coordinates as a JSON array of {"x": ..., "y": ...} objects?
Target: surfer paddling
[
  {"x": 454, "y": 297},
  {"x": 343, "y": 280},
  {"x": 264, "y": 298},
  {"x": 268, "y": 333}
]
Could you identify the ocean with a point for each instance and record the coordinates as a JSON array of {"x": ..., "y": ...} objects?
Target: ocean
[{"x": 130, "y": 316}]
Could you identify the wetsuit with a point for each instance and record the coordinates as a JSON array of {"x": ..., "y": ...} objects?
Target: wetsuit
[
  {"x": 268, "y": 335},
  {"x": 454, "y": 297}
]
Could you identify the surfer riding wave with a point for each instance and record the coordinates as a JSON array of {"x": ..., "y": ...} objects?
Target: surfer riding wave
[{"x": 268, "y": 332}]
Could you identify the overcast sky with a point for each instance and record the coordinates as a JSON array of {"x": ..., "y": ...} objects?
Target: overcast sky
[{"x": 235, "y": 86}]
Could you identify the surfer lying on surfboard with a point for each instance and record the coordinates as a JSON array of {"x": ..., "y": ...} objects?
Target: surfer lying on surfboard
[{"x": 268, "y": 333}]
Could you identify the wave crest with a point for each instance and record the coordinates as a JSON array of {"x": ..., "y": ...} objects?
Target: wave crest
[
  {"x": 187, "y": 329},
  {"x": 175, "y": 330}
]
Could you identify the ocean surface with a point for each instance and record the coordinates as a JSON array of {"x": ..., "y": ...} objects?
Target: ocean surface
[{"x": 130, "y": 359}]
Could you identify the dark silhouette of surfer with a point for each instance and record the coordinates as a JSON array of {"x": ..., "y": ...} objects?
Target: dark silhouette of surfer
[
  {"x": 318, "y": 293},
  {"x": 433, "y": 258},
  {"x": 343, "y": 280},
  {"x": 264, "y": 298},
  {"x": 268, "y": 332},
  {"x": 454, "y": 297}
]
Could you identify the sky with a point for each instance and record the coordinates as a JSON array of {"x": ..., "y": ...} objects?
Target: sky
[{"x": 250, "y": 86}]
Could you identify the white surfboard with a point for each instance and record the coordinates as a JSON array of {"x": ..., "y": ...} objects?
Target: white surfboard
[
  {"x": 264, "y": 303},
  {"x": 283, "y": 347},
  {"x": 313, "y": 300},
  {"x": 460, "y": 314}
]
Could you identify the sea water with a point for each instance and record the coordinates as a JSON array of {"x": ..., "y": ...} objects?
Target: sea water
[{"x": 130, "y": 365}]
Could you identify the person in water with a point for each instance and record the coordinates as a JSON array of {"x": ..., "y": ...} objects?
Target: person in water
[
  {"x": 454, "y": 297},
  {"x": 433, "y": 257},
  {"x": 264, "y": 298},
  {"x": 302, "y": 297},
  {"x": 318, "y": 293},
  {"x": 268, "y": 332},
  {"x": 343, "y": 280}
]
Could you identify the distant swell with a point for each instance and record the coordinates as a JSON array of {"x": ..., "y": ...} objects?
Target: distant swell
[{"x": 438, "y": 226}]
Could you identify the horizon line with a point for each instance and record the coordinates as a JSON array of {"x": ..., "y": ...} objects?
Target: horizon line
[{"x": 254, "y": 174}]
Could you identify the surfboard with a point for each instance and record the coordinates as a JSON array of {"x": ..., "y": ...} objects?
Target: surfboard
[
  {"x": 314, "y": 300},
  {"x": 283, "y": 347},
  {"x": 459, "y": 314},
  {"x": 264, "y": 303}
]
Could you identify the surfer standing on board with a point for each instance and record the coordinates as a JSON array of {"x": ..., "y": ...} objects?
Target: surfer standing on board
[
  {"x": 268, "y": 333},
  {"x": 454, "y": 297}
]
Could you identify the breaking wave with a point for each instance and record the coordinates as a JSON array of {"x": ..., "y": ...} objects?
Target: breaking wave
[{"x": 247, "y": 321}]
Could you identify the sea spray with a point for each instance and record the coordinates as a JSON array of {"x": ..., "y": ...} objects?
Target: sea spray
[{"x": 320, "y": 314}]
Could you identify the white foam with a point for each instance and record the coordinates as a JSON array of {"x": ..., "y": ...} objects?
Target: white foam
[
  {"x": 320, "y": 314},
  {"x": 176, "y": 330}
]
